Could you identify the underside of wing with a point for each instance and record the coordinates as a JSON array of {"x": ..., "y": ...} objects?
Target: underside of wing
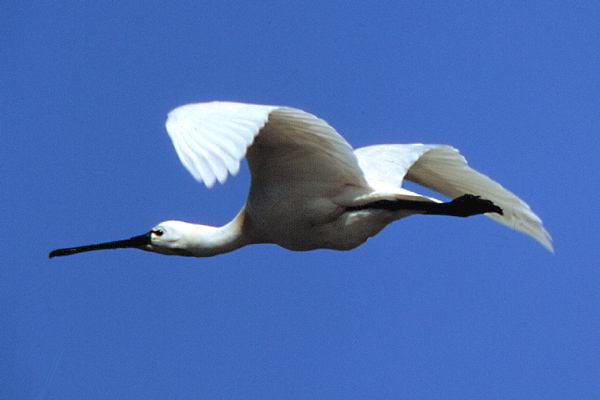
[
  {"x": 284, "y": 146},
  {"x": 211, "y": 138},
  {"x": 444, "y": 170},
  {"x": 295, "y": 148},
  {"x": 385, "y": 166}
]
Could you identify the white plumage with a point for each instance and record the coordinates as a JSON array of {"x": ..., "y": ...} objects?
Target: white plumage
[
  {"x": 309, "y": 188},
  {"x": 212, "y": 138}
]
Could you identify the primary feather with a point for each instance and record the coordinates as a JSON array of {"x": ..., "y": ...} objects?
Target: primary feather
[{"x": 212, "y": 138}]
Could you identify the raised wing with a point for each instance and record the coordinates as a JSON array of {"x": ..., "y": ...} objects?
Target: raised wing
[
  {"x": 443, "y": 169},
  {"x": 298, "y": 152},
  {"x": 285, "y": 145},
  {"x": 212, "y": 138}
]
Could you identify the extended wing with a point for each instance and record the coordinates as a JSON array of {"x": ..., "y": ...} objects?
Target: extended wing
[
  {"x": 442, "y": 169},
  {"x": 212, "y": 138},
  {"x": 284, "y": 146}
]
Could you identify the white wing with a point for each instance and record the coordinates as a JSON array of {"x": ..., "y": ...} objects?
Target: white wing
[
  {"x": 212, "y": 138},
  {"x": 385, "y": 166},
  {"x": 294, "y": 147},
  {"x": 299, "y": 153},
  {"x": 443, "y": 169}
]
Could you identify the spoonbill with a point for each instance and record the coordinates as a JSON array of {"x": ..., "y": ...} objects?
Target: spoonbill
[{"x": 309, "y": 189}]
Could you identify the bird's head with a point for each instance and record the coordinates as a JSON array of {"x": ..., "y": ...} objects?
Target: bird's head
[{"x": 169, "y": 237}]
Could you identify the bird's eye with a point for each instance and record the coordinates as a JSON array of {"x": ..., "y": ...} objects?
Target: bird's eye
[{"x": 158, "y": 231}]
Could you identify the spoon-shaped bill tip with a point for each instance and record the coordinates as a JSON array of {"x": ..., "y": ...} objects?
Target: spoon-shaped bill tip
[{"x": 136, "y": 242}]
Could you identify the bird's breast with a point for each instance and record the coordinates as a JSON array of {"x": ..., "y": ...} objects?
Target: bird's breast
[{"x": 314, "y": 224}]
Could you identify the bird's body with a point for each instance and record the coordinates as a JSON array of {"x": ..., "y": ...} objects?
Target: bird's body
[
  {"x": 304, "y": 176},
  {"x": 309, "y": 188}
]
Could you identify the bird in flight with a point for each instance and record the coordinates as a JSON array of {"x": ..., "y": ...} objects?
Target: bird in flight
[{"x": 309, "y": 189}]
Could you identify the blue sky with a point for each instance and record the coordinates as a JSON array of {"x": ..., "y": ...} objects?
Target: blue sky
[{"x": 432, "y": 307}]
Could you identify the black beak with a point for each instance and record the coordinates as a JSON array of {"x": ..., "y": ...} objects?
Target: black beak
[{"x": 136, "y": 242}]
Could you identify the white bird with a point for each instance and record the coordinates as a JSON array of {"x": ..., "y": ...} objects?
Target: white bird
[{"x": 309, "y": 189}]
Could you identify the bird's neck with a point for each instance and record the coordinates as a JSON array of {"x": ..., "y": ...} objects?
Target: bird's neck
[{"x": 209, "y": 241}]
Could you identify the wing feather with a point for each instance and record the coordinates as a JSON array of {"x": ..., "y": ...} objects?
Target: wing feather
[
  {"x": 385, "y": 165},
  {"x": 284, "y": 145},
  {"x": 444, "y": 170},
  {"x": 302, "y": 156},
  {"x": 211, "y": 138}
]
